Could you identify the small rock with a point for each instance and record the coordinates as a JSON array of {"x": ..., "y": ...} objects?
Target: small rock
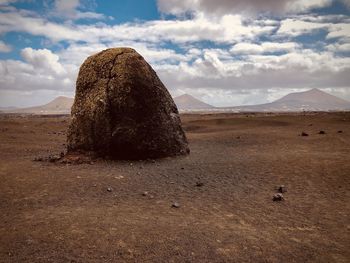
[
  {"x": 182, "y": 168},
  {"x": 54, "y": 158},
  {"x": 109, "y": 189},
  {"x": 62, "y": 154},
  {"x": 238, "y": 137},
  {"x": 322, "y": 132},
  {"x": 340, "y": 131},
  {"x": 175, "y": 205},
  {"x": 38, "y": 159},
  {"x": 281, "y": 189},
  {"x": 277, "y": 197},
  {"x": 145, "y": 193},
  {"x": 199, "y": 184},
  {"x": 304, "y": 134}
]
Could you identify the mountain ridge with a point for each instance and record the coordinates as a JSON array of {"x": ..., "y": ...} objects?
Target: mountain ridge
[
  {"x": 310, "y": 100},
  {"x": 188, "y": 102}
]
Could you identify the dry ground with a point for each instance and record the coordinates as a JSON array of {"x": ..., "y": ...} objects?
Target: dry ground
[{"x": 63, "y": 213}]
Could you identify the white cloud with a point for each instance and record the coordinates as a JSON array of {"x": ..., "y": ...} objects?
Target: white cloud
[
  {"x": 296, "y": 27},
  {"x": 43, "y": 59},
  {"x": 340, "y": 30},
  {"x": 228, "y": 28},
  {"x": 237, "y": 68},
  {"x": 66, "y": 5},
  {"x": 237, "y": 6},
  {"x": 339, "y": 47},
  {"x": 69, "y": 9},
  {"x": 4, "y": 47},
  {"x": 301, "y": 6},
  {"x": 265, "y": 47}
]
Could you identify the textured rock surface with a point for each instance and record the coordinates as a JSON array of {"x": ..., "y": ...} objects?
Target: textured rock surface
[{"x": 123, "y": 110}]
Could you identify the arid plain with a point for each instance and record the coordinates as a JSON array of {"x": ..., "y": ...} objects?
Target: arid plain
[{"x": 121, "y": 211}]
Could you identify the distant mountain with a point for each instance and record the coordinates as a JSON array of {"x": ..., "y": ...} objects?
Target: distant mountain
[
  {"x": 60, "y": 105},
  {"x": 5, "y": 109},
  {"x": 311, "y": 100},
  {"x": 188, "y": 102}
]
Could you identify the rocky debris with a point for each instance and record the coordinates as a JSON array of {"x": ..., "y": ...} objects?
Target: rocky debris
[
  {"x": 340, "y": 131},
  {"x": 38, "y": 159},
  {"x": 51, "y": 158},
  {"x": 145, "y": 193},
  {"x": 282, "y": 189},
  {"x": 175, "y": 205},
  {"x": 304, "y": 134},
  {"x": 199, "y": 184},
  {"x": 76, "y": 158},
  {"x": 321, "y": 132},
  {"x": 109, "y": 189},
  {"x": 123, "y": 111},
  {"x": 238, "y": 137},
  {"x": 278, "y": 197}
]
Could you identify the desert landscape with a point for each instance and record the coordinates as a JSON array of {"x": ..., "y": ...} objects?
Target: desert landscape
[
  {"x": 175, "y": 131},
  {"x": 214, "y": 205}
]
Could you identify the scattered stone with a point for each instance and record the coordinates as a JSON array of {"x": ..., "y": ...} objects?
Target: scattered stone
[
  {"x": 340, "y": 131},
  {"x": 322, "y": 132},
  {"x": 54, "y": 158},
  {"x": 277, "y": 197},
  {"x": 109, "y": 189},
  {"x": 304, "y": 134},
  {"x": 182, "y": 168},
  {"x": 175, "y": 205},
  {"x": 123, "y": 111},
  {"x": 199, "y": 184},
  {"x": 38, "y": 159},
  {"x": 238, "y": 137},
  {"x": 145, "y": 193},
  {"x": 281, "y": 189}
]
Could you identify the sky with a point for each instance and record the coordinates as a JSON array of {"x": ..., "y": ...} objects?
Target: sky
[{"x": 224, "y": 52}]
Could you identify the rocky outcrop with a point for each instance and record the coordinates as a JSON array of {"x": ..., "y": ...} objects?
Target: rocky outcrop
[{"x": 123, "y": 110}]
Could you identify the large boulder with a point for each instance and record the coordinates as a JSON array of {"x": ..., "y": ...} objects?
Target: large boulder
[{"x": 122, "y": 110}]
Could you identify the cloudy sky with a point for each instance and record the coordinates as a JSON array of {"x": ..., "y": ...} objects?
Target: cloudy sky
[{"x": 225, "y": 52}]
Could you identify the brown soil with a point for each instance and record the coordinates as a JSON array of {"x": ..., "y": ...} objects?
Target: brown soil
[{"x": 51, "y": 212}]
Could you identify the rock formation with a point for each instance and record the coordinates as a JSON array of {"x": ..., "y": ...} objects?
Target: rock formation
[{"x": 122, "y": 110}]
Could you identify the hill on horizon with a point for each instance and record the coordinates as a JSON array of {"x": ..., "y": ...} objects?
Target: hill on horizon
[
  {"x": 188, "y": 102},
  {"x": 310, "y": 100},
  {"x": 60, "y": 105}
]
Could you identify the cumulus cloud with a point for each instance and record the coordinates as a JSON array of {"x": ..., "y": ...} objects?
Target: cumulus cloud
[
  {"x": 245, "y": 61},
  {"x": 41, "y": 73},
  {"x": 43, "y": 60},
  {"x": 69, "y": 9},
  {"x": 228, "y": 28},
  {"x": 265, "y": 47},
  {"x": 233, "y": 6},
  {"x": 4, "y": 47}
]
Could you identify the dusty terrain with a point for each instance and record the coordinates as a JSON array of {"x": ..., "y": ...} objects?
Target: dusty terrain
[{"x": 53, "y": 212}]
